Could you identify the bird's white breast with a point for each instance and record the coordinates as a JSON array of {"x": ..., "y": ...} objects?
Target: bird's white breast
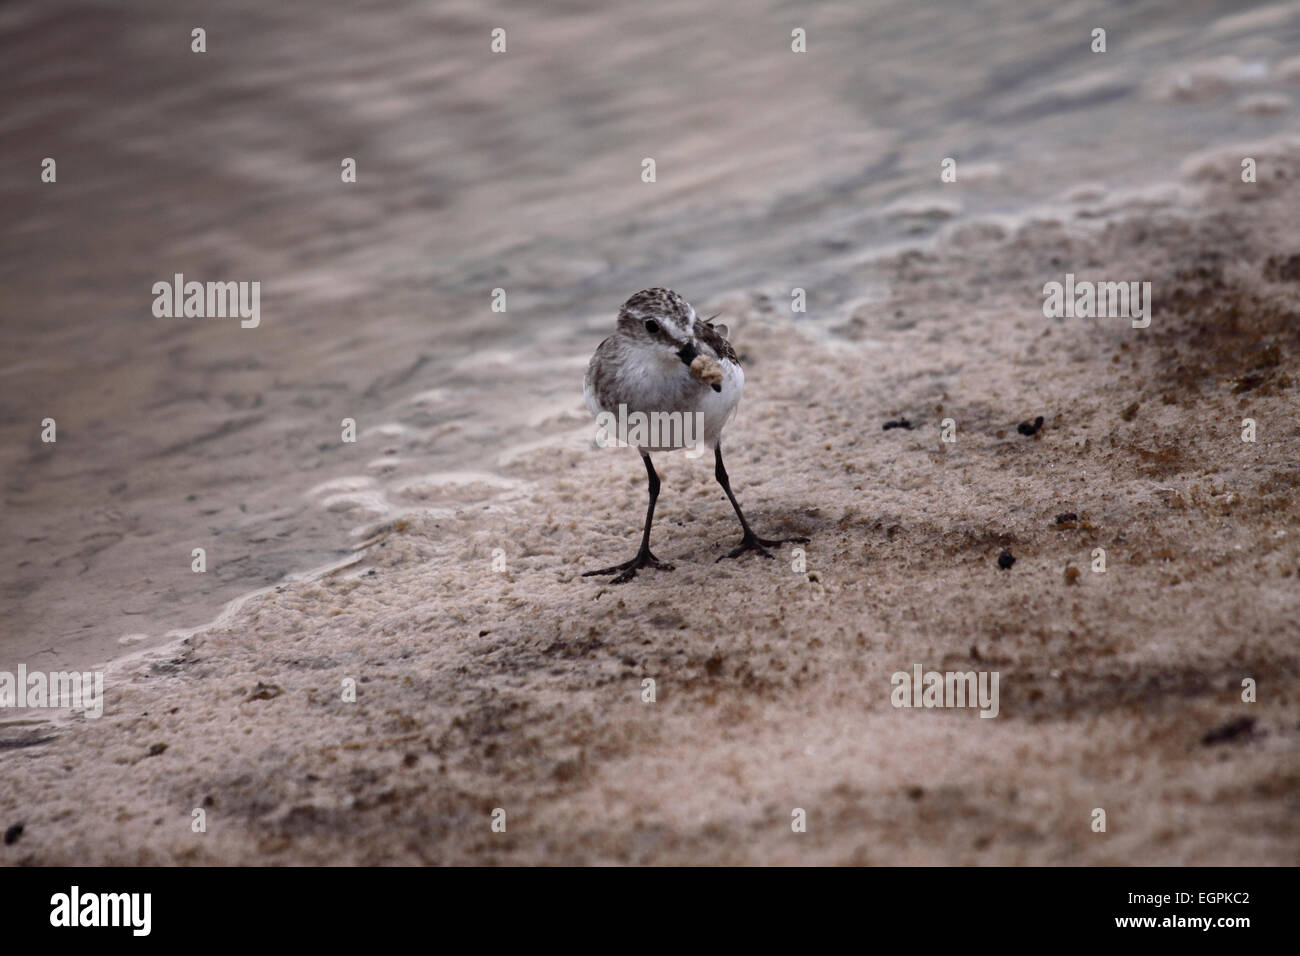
[
  {"x": 718, "y": 407},
  {"x": 648, "y": 382}
]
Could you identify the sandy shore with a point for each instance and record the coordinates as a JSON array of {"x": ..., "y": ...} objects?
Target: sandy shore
[{"x": 522, "y": 689}]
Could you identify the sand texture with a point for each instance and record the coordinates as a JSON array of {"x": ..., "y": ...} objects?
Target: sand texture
[{"x": 522, "y": 689}]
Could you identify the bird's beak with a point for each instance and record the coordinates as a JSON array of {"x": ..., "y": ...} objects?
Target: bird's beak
[{"x": 687, "y": 353}]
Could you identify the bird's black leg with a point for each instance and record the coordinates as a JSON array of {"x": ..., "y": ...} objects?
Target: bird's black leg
[
  {"x": 751, "y": 541},
  {"x": 627, "y": 570}
]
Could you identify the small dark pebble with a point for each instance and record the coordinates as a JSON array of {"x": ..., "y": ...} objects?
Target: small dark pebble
[
  {"x": 156, "y": 749},
  {"x": 915, "y": 793},
  {"x": 264, "y": 692},
  {"x": 1280, "y": 269},
  {"x": 1247, "y": 382},
  {"x": 1030, "y": 428},
  {"x": 1005, "y": 559},
  {"x": 900, "y": 423},
  {"x": 13, "y": 833},
  {"x": 1066, "y": 516},
  {"x": 1241, "y": 727}
]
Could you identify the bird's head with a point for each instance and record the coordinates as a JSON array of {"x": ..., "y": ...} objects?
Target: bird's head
[{"x": 660, "y": 320}]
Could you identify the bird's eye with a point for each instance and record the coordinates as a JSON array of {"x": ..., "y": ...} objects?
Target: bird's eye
[{"x": 652, "y": 327}]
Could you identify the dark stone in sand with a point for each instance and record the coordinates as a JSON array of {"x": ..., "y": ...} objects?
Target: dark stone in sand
[
  {"x": 264, "y": 692},
  {"x": 13, "y": 833},
  {"x": 1283, "y": 268},
  {"x": 901, "y": 423},
  {"x": 1232, "y": 730},
  {"x": 1005, "y": 559},
  {"x": 1030, "y": 428}
]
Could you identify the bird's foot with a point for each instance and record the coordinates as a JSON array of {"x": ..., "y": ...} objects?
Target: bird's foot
[
  {"x": 627, "y": 570},
  {"x": 752, "y": 542}
]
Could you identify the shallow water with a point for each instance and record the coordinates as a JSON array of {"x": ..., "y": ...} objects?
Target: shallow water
[{"x": 476, "y": 171}]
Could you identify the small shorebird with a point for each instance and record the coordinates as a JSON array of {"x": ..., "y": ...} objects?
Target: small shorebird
[{"x": 663, "y": 359}]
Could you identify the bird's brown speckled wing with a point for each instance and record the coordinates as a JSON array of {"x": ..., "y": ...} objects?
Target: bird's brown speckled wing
[
  {"x": 711, "y": 337},
  {"x": 600, "y": 373}
]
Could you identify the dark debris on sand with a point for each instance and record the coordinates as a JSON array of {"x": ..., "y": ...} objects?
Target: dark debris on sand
[
  {"x": 1030, "y": 428},
  {"x": 1242, "y": 728}
]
